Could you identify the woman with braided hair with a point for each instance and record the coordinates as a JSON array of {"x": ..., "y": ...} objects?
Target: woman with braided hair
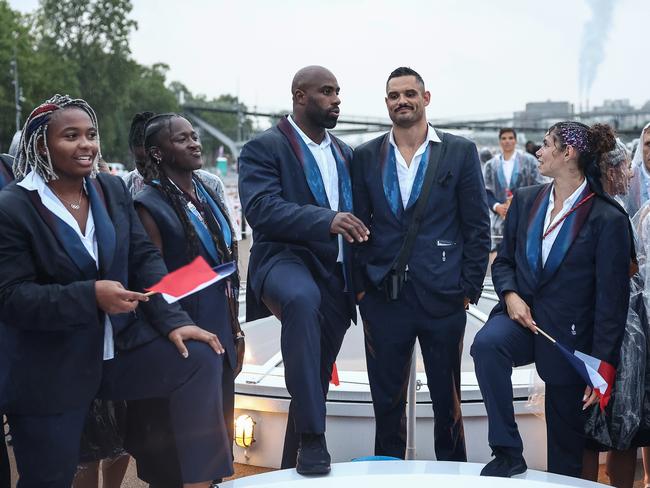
[
  {"x": 563, "y": 267},
  {"x": 186, "y": 219},
  {"x": 72, "y": 249}
]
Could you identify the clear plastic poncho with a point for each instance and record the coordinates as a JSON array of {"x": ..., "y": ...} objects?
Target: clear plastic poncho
[{"x": 628, "y": 411}]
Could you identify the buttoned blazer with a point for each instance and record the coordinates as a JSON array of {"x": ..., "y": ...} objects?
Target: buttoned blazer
[
  {"x": 583, "y": 301},
  {"x": 449, "y": 258}
]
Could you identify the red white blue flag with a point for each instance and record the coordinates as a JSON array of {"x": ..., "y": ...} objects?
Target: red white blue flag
[
  {"x": 598, "y": 374},
  {"x": 191, "y": 278}
]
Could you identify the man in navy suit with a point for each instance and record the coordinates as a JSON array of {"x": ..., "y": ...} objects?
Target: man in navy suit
[
  {"x": 443, "y": 275},
  {"x": 295, "y": 188}
]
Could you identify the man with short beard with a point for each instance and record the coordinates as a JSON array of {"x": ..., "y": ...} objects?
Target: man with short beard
[
  {"x": 424, "y": 297},
  {"x": 295, "y": 188}
]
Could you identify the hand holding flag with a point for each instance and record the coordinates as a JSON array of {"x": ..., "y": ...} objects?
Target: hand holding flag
[
  {"x": 598, "y": 374},
  {"x": 189, "y": 279}
]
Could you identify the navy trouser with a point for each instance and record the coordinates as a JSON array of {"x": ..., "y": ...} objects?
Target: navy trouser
[
  {"x": 498, "y": 346},
  {"x": 47, "y": 446},
  {"x": 314, "y": 315},
  {"x": 390, "y": 331}
]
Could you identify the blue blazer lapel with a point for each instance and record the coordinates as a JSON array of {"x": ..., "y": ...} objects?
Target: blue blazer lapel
[
  {"x": 569, "y": 231},
  {"x": 535, "y": 231},
  {"x": 419, "y": 177},
  {"x": 516, "y": 172},
  {"x": 104, "y": 230},
  {"x": 343, "y": 171},
  {"x": 204, "y": 236},
  {"x": 500, "y": 190},
  {"x": 345, "y": 204},
  {"x": 67, "y": 237},
  {"x": 307, "y": 161},
  {"x": 388, "y": 171}
]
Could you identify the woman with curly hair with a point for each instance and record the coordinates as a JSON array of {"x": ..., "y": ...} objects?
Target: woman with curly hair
[{"x": 563, "y": 267}]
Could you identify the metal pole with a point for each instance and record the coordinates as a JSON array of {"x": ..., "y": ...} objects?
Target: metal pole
[
  {"x": 410, "y": 412},
  {"x": 14, "y": 65}
]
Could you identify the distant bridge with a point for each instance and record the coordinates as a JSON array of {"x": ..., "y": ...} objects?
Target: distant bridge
[{"x": 627, "y": 124}]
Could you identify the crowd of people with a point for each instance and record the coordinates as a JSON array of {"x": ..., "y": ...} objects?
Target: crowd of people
[{"x": 93, "y": 369}]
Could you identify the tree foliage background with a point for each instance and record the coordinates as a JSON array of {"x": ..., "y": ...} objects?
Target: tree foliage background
[{"x": 81, "y": 48}]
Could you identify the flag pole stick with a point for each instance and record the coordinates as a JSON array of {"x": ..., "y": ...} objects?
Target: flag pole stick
[
  {"x": 545, "y": 335},
  {"x": 150, "y": 293}
]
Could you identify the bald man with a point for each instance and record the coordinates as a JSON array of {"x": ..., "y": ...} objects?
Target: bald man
[{"x": 295, "y": 188}]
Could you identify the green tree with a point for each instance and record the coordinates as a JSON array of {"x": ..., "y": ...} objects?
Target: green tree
[{"x": 226, "y": 122}]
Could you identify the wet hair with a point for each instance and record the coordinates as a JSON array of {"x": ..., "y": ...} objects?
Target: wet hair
[
  {"x": 618, "y": 160},
  {"x": 29, "y": 156},
  {"x": 405, "y": 71},
  {"x": 615, "y": 157},
  {"x": 505, "y": 130},
  {"x": 589, "y": 142},
  {"x": 136, "y": 132}
]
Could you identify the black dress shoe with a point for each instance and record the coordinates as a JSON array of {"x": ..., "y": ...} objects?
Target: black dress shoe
[
  {"x": 313, "y": 457},
  {"x": 504, "y": 465}
]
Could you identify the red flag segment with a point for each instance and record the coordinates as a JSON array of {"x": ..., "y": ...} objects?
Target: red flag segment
[{"x": 191, "y": 278}]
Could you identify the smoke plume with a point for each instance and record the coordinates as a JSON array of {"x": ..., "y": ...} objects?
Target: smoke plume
[{"x": 594, "y": 37}]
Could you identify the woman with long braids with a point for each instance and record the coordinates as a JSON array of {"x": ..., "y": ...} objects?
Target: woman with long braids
[
  {"x": 563, "y": 268},
  {"x": 72, "y": 248},
  {"x": 185, "y": 219}
]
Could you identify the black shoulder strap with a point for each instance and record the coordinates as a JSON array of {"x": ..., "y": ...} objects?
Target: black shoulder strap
[{"x": 405, "y": 252}]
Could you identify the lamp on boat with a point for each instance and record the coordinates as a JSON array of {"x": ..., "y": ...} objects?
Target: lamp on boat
[{"x": 244, "y": 431}]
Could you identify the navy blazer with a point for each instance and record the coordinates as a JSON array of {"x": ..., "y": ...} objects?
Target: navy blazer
[
  {"x": 209, "y": 307},
  {"x": 287, "y": 222},
  {"x": 51, "y": 331},
  {"x": 450, "y": 254},
  {"x": 6, "y": 170},
  {"x": 580, "y": 297}
]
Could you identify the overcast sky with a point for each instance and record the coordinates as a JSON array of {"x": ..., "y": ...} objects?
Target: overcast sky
[{"x": 477, "y": 57}]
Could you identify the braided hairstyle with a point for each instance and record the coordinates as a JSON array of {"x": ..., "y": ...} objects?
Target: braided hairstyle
[
  {"x": 154, "y": 171},
  {"x": 35, "y": 129}
]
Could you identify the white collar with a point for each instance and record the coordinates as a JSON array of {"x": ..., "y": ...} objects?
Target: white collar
[
  {"x": 35, "y": 182},
  {"x": 569, "y": 202},
  {"x": 432, "y": 136},
  {"x": 325, "y": 142}
]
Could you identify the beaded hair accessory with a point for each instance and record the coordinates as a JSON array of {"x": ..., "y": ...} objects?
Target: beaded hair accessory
[
  {"x": 575, "y": 135},
  {"x": 30, "y": 157}
]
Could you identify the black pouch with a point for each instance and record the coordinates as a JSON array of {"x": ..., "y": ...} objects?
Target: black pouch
[{"x": 393, "y": 284}]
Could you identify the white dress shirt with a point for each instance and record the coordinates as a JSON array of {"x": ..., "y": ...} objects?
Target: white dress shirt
[
  {"x": 329, "y": 173},
  {"x": 508, "y": 167},
  {"x": 547, "y": 243},
  {"x": 406, "y": 173},
  {"x": 34, "y": 182}
]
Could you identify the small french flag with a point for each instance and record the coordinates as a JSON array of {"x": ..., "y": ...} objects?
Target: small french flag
[
  {"x": 191, "y": 278},
  {"x": 599, "y": 374}
]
